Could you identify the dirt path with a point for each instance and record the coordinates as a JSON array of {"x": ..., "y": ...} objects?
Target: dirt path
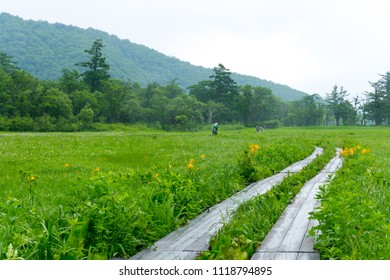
[
  {"x": 287, "y": 240},
  {"x": 188, "y": 241}
]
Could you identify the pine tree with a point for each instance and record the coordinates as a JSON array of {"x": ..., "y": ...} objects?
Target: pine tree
[
  {"x": 6, "y": 63},
  {"x": 97, "y": 68},
  {"x": 336, "y": 100},
  {"x": 378, "y": 101},
  {"x": 224, "y": 88}
]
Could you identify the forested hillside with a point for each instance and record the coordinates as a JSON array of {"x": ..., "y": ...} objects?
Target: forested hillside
[{"x": 44, "y": 49}]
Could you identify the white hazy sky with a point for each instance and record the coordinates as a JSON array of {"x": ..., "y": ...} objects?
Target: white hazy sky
[{"x": 310, "y": 45}]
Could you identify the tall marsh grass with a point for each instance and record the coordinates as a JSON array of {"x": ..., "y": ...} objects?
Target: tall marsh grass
[{"x": 111, "y": 194}]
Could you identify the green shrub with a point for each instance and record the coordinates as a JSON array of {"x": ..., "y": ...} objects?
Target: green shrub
[{"x": 353, "y": 219}]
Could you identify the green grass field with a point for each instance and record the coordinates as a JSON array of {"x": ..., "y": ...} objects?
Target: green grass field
[{"x": 111, "y": 194}]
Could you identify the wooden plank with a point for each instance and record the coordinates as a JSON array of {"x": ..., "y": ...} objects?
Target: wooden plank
[
  {"x": 261, "y": 255},
  {"x": 308, "y": 242},
  {"x": 308, "y": 256},
  {"x": 286, "y": 256},
  {"x": 288, "y": 238},
  {"x": 186, "y": 241}
]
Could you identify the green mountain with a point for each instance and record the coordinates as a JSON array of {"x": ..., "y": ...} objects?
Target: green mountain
[{"x": 44, "y": 49}]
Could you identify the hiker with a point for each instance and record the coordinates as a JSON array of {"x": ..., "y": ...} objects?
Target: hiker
[
  {"x": 215, "y": 128},
  {"x": 259, "y": 128}
]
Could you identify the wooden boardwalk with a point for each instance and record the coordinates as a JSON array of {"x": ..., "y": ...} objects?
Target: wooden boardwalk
[
  {"x": 188, "y": 241},
  {"x": 288, "y": 239}
]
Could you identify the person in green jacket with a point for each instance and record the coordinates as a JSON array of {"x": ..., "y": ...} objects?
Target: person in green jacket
[{"x": 215, "y": 128}]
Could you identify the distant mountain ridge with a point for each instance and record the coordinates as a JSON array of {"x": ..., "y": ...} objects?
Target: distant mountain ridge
[{"x": 44, "y": 49}]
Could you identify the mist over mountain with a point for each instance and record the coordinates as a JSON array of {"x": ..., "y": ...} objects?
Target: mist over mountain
[{"x": 44, "y": 49}]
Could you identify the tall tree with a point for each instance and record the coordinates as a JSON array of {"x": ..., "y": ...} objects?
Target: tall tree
[
  {"x": 201, "y": 91},
  {"x": 307, "y": 111},
  {"x": 70, "y": 81},
  {"x": 97, "y": 68},
  {"x": 244, "y": 104},
  {"x": 378, "y": 101},
  {"x": 224, "y": 89},
  {"x": 385, "y": 87},
  {"x": 7, "y": 64},
  {"x": 336, "y": 100}
]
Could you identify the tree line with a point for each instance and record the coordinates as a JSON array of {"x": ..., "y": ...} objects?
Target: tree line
[{"x": 87, "y": 97}]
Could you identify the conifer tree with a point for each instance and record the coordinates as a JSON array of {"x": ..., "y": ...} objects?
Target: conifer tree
[
  {"x": 97, "y": 68},
  {"x": 6, "y": 63},
  {"x": 224, "y": 88}
]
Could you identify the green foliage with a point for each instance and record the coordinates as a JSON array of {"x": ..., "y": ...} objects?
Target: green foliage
[
  {"x": 353, "y": 221},
  {"x": 70, "y": 81},
  {"x": 100, "y": 195},
  {"x": 97, "y": 68},
  {"x": 107, "y": 195},
  {"x": 259, "y": 162},
  {"x": 223, "y": 88},
  {"x": 306, "y": 112},
  {"x": 6, "y": 63},
  {"x": 337, "y": 102},
  {"x": 377, "y": 106}
]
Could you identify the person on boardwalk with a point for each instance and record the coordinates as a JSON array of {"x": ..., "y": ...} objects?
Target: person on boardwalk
[{"x": 215, "y": 128}]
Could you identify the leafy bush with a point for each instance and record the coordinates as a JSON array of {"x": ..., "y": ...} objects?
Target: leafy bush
[
  {"x": 353, "y": 221},
  {"x": 22, "y": 124},
  {"x": 5, "y": 123}
]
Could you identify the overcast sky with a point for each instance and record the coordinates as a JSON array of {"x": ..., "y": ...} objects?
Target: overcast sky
[{"x": 310, "y": 45}]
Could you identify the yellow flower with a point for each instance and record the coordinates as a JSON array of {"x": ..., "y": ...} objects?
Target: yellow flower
[
  {"x": 192, "y": 160},
  {"x": 97, "y": 169},
  {"x": 345, "y": 152},
  {"x": 254, "y": 147},
  {"x": 190, "y": 165},
  {"x": 365, "y": 151},
  {"x": 66, "y": 165},
  {"x": 202, "y": 156},
  {"x": 32, "y": 178}
]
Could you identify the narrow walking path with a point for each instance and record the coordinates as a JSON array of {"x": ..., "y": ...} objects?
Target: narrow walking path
[
  {"x": 188, "y": 241},
  {"x": 288, "y": 237}
]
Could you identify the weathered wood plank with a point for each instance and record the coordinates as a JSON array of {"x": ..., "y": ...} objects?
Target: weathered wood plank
[
  {"x": 288, "y": 237},
  {"x": 188, "y": 240}
]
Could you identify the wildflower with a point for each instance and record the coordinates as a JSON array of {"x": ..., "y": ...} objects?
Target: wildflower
[
  {"x": 202, "y": 156},
  {"x": 32, "y": 178},
  {"x": 192, "y": 160},
  {"x": 190, "y": 165},
  {"x": 97, "y": 169},
  {"x": 254, "y": 147},
  {"x": 365, "y": 151},
  {"x": 66, "y": 165},
  {"x": 347, "y": 152}
]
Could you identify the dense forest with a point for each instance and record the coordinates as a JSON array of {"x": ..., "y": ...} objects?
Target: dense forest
[
  {"x": 44, "y": 49},
  {"x": 90, "y": 99}
]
